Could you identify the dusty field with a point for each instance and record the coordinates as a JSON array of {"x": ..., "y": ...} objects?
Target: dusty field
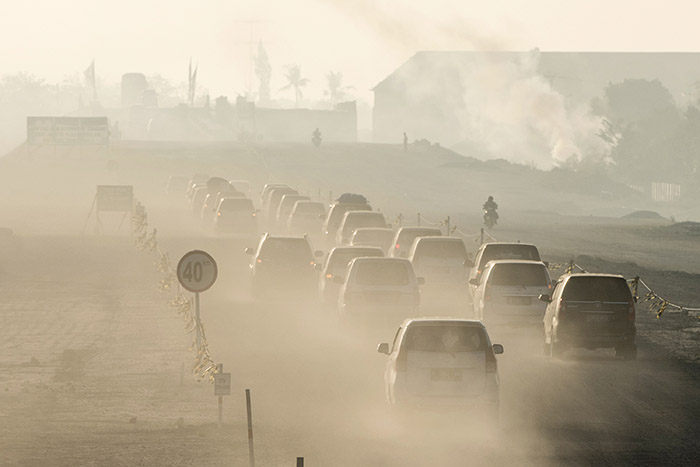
[{"x": 91, "y": 354}]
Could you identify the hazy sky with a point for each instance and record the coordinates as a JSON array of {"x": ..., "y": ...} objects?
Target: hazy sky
[{"x": 364, "y": 39}]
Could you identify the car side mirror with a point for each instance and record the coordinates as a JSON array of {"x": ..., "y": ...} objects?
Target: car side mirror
[
  {"x": 474, "y": 281},
  {"x": 545, "y": 298},
  {"x": 383, "y": 348},
  {"x": 318, "y": 253},
  {"x": 318, "y": 267},
  {"x": 338, "y": 280},
  {"x": 546, "y": 263},
  {"x": 635, "y": 299},
  {"x": 249, "y": 251},
  {"x": 497, "y": 349},
  {"x": 420, "y": 280}
]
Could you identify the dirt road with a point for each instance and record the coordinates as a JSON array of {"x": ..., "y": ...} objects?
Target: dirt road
[{"x": 91, "y": 355}]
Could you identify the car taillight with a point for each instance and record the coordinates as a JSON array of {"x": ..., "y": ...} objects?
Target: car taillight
[
  {"x": 259, "y": 261},
  {"x": 329, "y": 276},
  {"x": 631, "y": 314},
  {"x": 491, "y": 364},
  {"x": 397, "y": 246},
  {"x": 254, "y": 214},
  {"x": 218, "y": 214}
]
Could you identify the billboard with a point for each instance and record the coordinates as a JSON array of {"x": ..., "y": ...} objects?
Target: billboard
[
  {"x": 67, "y": 131},
  {"x": 115, "y": 198}
]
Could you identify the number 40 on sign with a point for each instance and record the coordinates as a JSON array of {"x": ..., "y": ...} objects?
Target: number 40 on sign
[{"x": 197, "y": 271}]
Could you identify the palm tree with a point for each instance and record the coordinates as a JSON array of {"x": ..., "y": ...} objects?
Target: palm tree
[
  {"x": 336, "y": 91},
  {"x": 295, "y": 80}
]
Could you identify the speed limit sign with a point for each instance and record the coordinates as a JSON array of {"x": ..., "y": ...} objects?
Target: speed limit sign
[{"x": 197, "y": 271}]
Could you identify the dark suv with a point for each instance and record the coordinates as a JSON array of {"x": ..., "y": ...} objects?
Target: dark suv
[
  {"x": 283, "y": 265},
  {"x": 591, "y": 311}
]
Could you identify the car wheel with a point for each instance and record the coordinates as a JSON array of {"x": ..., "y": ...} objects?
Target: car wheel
[{"x": 556, "y": 349}]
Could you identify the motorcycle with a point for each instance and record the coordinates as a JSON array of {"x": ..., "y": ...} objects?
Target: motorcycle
[
  {"x": 316, "y": 140},
  {"x": 490, "y": 218}
]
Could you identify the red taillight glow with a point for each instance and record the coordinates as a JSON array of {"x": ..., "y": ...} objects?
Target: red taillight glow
[
  {"x": 398, "y": 246},
  {"x": 329, "y": 276},
  {"x": 218, "y": 214},
  {"x": 259, "y": 260},
  {"x": 254, "y": 214}
]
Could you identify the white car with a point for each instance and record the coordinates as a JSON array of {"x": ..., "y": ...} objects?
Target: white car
[
  {"x": 372, "y": 236},
  {"x": 337, "y": 264},
  {"x": 384, "y": 286},
  {"x": 404, "y": 237},
  {"x": 354, "y": 220},
  {"x": 236, "y": 216},
  {"x": 442, "y": 362},
  {"x": 443, "y": 262},
  {"x": 495, "y": 250},
  {"x": 306, "y": 218},
  {"x": 508, "y": 291}
]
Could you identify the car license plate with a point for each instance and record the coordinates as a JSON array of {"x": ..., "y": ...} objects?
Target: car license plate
[
  {"x": 446, "y": 374},
  {"x": 519, "y": 300},
  {"x": 597, "y": 318}
]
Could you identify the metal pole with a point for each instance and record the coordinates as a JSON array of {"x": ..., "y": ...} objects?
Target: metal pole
[
  {"x": 251, "y": 451},
  {"x": 300, "y": 462},
  {"x": 482, "y": 237},
  {"x": 448, "y": 226},
  {"x": 198, "y": 322},
  {"x": 418, "y": 219},
  {"x": 220, "y": 370}
]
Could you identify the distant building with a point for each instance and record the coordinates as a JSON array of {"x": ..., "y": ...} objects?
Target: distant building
[{"x": 425, "y": 95}]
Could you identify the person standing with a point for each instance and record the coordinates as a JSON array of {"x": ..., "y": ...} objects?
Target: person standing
[{"x": 405, "y": 142}]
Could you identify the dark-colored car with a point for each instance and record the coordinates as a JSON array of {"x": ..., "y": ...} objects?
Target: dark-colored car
[
  {"x": 590, "y": 311},
  {"x": 283, "y": 265}
]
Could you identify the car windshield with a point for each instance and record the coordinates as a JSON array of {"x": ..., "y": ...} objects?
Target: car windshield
[
  {"x": 445, "y": 339},
  {"x": 525, "y": 275},
  {"x": 286, "y": 249},
  {"x": 236, "y": 204},
  {"x": 340, "y": 259},
  {"x": 391, "y": 273},
  {"x": 365, "y": 219},
  {"x": 440, "y": 249},
  {"x": 406, "y": 237},
  {"x": 339, "y": 210},
  {"x": 309, "y": 208},
  {"x": 604, "y": 289},
  {"x": 506, "y": 251},
  {"x": 383, "y": 236}
]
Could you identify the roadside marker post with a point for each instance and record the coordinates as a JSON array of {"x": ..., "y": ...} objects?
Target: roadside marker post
[
  {"x": 251, "y": 451},
  {"x": 222, "y": 387}
]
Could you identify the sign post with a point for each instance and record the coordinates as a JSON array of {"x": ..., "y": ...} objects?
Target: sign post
[
  {"x": 197, "y": 272},
  {"x": 222, "y": 387}
]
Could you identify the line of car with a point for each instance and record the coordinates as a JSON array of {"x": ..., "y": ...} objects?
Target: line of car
[{"x": 373, "y": 270}]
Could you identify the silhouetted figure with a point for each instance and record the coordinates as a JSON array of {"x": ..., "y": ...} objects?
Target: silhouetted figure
[
  {"x": 490, "y": 214},
  {"x": 405, "y": 142},
  {"x": 490, "y": 204},
  {"x": 316, "y": 139}
]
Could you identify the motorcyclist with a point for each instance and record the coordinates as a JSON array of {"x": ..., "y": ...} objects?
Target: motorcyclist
[
  {"x": 490, "y": 204},
  {"x": 490, "y": 207}
]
